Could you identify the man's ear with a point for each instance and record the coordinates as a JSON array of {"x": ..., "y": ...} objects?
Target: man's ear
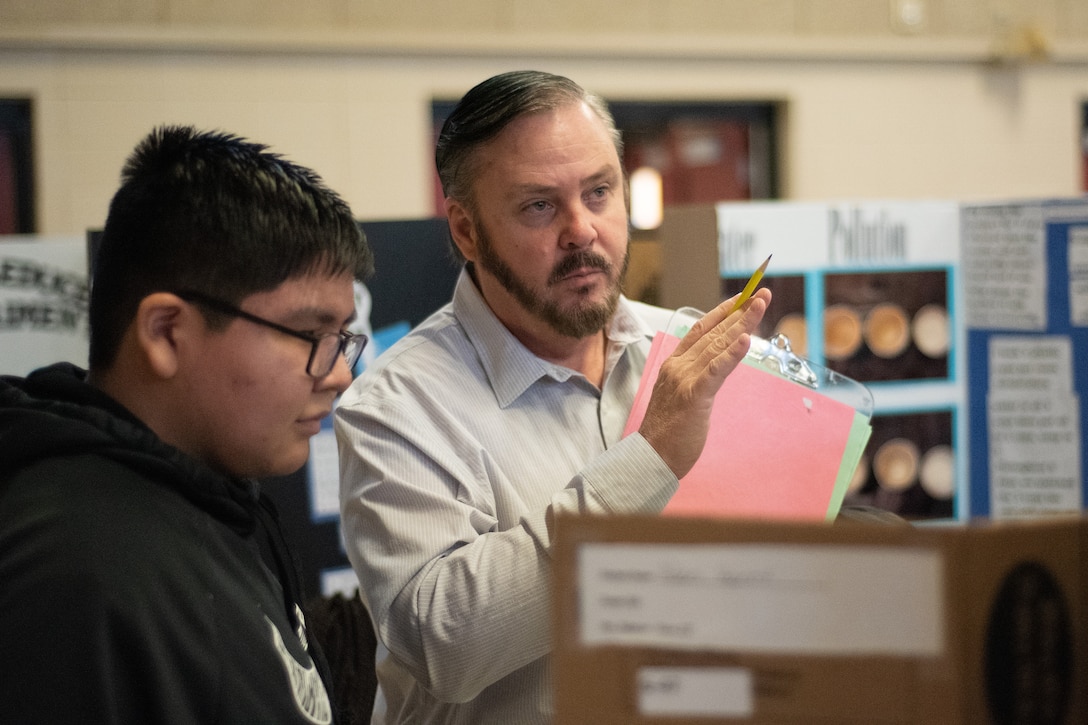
[
  {"x": 161, "y": 322},
  {"x": 462, "y": 228}
]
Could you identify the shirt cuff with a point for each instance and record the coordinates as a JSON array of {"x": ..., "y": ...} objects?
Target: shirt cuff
[{"x": 630, "y": 478}]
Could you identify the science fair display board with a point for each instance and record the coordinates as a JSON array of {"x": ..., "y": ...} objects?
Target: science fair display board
[
  {"x": 867, "y": 289},
  {"x": 966, "y": 321}
]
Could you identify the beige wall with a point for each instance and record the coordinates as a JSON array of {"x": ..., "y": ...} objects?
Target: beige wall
[{"x": 957, "y": 107}]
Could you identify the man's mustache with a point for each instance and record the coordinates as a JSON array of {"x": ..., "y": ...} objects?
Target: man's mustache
[{"x": 579, "y": 260}]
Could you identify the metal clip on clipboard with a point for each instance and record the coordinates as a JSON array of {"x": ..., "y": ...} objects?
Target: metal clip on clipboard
[{"x": 775, "y": 355}]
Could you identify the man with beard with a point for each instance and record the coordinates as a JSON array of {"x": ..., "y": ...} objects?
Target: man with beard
[{"x": 506, "y": 407}]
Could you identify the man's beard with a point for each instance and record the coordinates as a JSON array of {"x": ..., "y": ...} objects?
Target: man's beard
[{"x": 586, "y": 318}]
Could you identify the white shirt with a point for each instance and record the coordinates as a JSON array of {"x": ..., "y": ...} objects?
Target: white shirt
[{"x": 458, "y": 447}]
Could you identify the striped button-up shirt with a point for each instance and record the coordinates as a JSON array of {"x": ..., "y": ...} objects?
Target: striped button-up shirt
[{"x": 457, "y": 449}]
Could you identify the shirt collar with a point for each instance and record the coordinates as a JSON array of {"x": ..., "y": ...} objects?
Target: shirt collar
[{"x": 510, "y": 367}]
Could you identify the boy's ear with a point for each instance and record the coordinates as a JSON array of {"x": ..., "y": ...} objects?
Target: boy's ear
[
  {"x": 161, "y": 322},
  {"x": 462, "y": 229}
]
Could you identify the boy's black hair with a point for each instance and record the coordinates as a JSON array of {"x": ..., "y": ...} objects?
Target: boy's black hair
[{"x": 212, "y": 212}]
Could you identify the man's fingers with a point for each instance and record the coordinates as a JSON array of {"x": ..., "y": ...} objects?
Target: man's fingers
[
  {"x": 677, "y": 417},
  {"x": 749, "y": 316}
]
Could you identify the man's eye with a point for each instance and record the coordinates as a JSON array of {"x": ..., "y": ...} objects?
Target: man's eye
[{"x": 599, "y": 193}]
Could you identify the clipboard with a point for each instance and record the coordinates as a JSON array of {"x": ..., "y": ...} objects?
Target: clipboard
[
  {"x": 786, "y": 434},
  {"x": 774, "y": 354}
]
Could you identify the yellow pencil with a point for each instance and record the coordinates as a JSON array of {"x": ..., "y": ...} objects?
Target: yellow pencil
[{"x": 753, "y": 282}]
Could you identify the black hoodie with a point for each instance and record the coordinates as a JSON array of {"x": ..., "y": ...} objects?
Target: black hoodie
[{"x": 132, "y": 588}]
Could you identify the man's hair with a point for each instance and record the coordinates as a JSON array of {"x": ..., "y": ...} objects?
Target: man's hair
[
  {"x": 212, "y": 212},
  {"x": 489, "y": 107}
]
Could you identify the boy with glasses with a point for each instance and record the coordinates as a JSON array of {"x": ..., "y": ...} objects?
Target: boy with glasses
[{"x": 130, "y": 520}]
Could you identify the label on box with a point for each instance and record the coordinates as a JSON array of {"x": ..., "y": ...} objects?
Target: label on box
[
  {"x": 695, "y": 692},
  {"x": 768, "y": 598}
]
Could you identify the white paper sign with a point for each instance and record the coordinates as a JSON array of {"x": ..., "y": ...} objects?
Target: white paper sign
[
  {"x": 341, "y": 580},
  {"x": 1033, "y": 418},
  {"x": 43, "y": 302},
  {"x": 1004, "y": 267},
  {"x": 1035, "y": 465},
  {"x": 324, "y": 475},
  {"x": 1031, "y": 364},
  {"x": 1078, "y": 275},
  {"x": 845, "y": 235}
]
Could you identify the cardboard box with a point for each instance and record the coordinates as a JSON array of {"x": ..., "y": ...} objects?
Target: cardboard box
[{"x": 661, "y": 620}]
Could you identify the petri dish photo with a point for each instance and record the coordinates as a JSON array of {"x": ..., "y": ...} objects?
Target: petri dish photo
[{"x": 887, "y": 330}]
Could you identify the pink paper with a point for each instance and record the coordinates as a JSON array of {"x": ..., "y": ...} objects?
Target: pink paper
[{"x": 773, "y": 451}]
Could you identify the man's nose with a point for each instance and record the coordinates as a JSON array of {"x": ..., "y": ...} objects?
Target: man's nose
[{"x": 579, "y": 227}]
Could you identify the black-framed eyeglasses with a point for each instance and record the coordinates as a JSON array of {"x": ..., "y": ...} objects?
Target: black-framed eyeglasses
[{"x": 324, "y": 349}]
